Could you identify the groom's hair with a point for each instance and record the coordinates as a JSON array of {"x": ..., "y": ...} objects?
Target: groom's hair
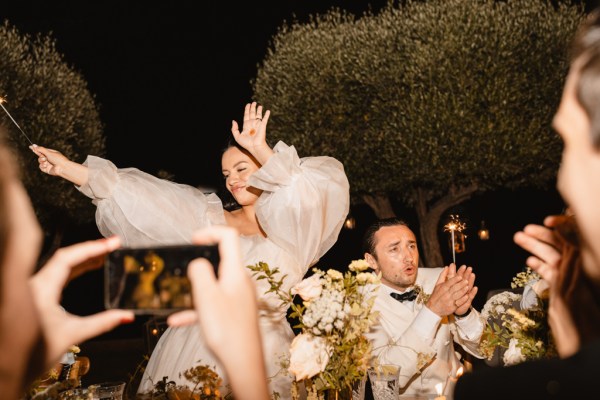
[{"x": 369, "y": 237}]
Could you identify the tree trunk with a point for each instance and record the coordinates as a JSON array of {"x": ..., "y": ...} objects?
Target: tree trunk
[
  {"x": 429, "y": 218},
  {"x": 381, "y": 205}
]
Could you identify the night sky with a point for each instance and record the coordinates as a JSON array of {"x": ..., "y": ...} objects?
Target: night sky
[
  {"x": 181, "y": 71},
  {"x": 176, "y": 70}
]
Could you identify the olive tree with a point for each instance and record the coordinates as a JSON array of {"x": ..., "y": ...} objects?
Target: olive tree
[
  {"x": 425, "y": 103},
  {"x": 51, "y": 102}
]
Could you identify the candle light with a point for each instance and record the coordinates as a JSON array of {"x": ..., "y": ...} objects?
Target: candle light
[
  {"x": 439, "y": 388},
  {"x": 451, "y": 382},
  {"x": 455, "y": 225},
  {"x": 3, "y": 100}
]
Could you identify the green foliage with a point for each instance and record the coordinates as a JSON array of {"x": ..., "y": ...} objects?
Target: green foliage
[
  {"x": 51, "y": 102},
  {"x": 525, "y": 333},
  {"x": 337, "y": 309},
  {"x": 425, "y": 95}
]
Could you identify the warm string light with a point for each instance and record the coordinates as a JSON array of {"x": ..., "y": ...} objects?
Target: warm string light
[
  {"x": 350, "y": 222},
  {"x": 484, "y": 233},
  {"x": 455, "y": 225},
  {"x": 2, "y": 101}
]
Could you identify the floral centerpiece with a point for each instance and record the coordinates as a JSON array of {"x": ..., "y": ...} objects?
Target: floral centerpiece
[
  {"x": 331, "y": 352},
  {"x": 205, "y": 384},
  {"x": 517, "y": 324}
]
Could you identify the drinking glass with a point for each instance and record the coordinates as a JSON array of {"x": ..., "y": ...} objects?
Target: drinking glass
[{"x": 384, "y": 381}]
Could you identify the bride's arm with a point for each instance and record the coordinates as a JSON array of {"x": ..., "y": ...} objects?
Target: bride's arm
[
  {"x": 304, "y": 202},
  {"x": 138, "y": 207}
]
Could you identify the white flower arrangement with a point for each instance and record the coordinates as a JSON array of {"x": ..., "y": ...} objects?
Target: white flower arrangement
[
  {"x": 332, "y": 351},
  {"x": 518, "y": 324}
]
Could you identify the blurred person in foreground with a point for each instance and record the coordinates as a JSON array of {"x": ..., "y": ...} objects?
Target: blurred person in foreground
[
  {"x": 573, "y": 375},
  {"x": 35, "y": 331}
]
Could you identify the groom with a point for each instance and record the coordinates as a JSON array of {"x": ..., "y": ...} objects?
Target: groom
[{"x": 422, "y": 311}]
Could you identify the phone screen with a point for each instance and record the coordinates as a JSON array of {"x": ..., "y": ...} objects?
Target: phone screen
[{"x": 152, "y": 280}]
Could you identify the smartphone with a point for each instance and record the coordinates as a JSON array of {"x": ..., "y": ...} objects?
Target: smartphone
[{"x": 152, "y": 280}]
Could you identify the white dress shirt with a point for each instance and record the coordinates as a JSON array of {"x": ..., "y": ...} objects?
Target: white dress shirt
[{"x": 420, "y": 342}]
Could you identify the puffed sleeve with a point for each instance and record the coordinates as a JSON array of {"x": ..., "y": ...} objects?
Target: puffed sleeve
[
  {"x": 304, "y": 202},
  {"x": 144, "y": 210}
]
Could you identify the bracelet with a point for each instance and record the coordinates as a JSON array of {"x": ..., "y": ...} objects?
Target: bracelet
[{"x": 463, "y": 315}]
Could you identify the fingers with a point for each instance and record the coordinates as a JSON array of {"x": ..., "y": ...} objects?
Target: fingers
[
  {"x": 451, "y": 271},
  {"x": 253, "y": 111},
  {"x": 447, "y": 294},
  {"x": 87, "y": 266},
  {"x": 182, "y": 318},
  {"x": 458, "y": 288},
  {"x": 464, "y": 302},
  {"x": 229, "y": 247},
  {"x": 203, "y": 280},
  {"x": 94, "y": 325},
  {"x": 265, "y": 119},
  {"x": 466, "y": 273},
  {"x": 443, "y": 276},
  {"x": 42, "y": 151},
  {"x": 552, "y": 221},
  {"x": 546, "y": 271},
  {"x": 58, "y": 268},
  {"x": 253, "y": 117},
  {"x": 247, "y": 112},
  {"x": 543, "y": 250},
  {"x": 235, "y": 130},
  {"x": 470, "y": 277},
  {"x": 36, "y": 149},
  {"x": 542, "y": 233}
]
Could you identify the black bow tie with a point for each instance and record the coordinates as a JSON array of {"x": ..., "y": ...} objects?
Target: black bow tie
[{"x": 411, "y": 295}]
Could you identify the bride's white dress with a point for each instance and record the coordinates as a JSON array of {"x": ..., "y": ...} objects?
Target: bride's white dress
[{"x": 302, "y": 209}]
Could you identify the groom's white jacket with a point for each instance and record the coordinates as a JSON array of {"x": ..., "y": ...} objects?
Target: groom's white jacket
[{"x": 411, "y": 336}]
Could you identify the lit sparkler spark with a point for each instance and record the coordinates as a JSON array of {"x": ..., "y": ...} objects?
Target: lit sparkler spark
[
  {"x": 2, "y": 101},
  {"x": 455, "y": 225}
]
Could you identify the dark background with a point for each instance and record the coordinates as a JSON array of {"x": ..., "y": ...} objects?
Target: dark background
[{"x": 170, "y": 76}]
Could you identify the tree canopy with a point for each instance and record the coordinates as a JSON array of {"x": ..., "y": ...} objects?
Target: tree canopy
[
  {"x": 52, "y": 103},
  {"x": 424, "y": 102}
]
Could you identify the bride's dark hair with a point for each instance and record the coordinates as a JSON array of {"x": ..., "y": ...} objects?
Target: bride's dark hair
[{"x": 229, "y": 202}]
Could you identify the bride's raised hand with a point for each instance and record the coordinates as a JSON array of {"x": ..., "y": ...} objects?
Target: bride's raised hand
[{"x": 254, "y": 132}]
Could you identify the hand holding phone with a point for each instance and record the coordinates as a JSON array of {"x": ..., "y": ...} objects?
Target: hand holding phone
[{"x": 153, "y": 280}]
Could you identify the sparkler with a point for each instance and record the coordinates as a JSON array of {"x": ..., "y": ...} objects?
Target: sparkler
[
  {"x": 2, "y": 101},
  {"x": 455, "y": 225}
]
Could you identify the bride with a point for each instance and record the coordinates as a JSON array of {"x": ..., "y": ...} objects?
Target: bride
[{"x": 290, "y": 213}]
